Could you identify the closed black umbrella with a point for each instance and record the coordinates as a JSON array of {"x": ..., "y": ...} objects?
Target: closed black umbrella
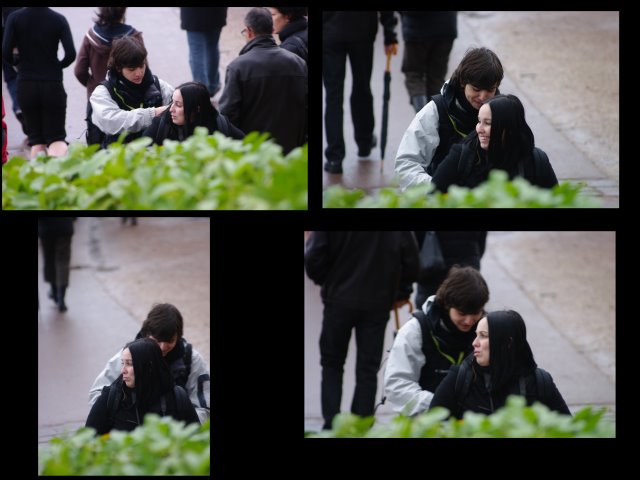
[{"x": 385, "y": 110}]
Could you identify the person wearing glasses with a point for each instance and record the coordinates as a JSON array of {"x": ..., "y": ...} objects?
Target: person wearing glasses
[
  {"x": 266, "y": 86},
  {"x": 438, "y": 336}
]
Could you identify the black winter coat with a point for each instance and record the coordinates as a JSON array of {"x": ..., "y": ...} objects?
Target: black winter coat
[
  {"x": 128, "y": 416},
  {"x": 266, "y": 91},
  {"x": 479, "y": 400},
  {"x": 294, "y": 37},
  {"x": 362, "y": 270},
  {"x": 463, "y": 167}
]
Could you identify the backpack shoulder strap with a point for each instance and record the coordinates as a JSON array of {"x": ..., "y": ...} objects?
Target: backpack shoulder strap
[
  {"x": 543, "y": 383},
  {"x": 188, "y": 352},
  {"x": 463, "y": 381},
  {"x": 157, "y": 83},
  {"x": 181, "y": 402},
  {"x": 223, "y": 125},
  {"x": 113, "y": 401}
]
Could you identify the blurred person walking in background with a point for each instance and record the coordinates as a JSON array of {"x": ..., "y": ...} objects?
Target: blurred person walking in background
[
  {"x": 40, "y": 91},
  {"x": 55, "y": 236},
  {"x": 464, "y": 249},
  {"x": 361, "y": 274}
]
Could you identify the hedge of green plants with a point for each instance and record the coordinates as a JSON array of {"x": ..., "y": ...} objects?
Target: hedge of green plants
[
  {"x": 496, "y": 192},
  {"x": 205, "y": 172},
  {"x": 514, "y": 420},
  {"x": 161, "y": 446}
]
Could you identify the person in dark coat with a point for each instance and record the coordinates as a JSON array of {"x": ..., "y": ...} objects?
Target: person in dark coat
[
  {"x": 55, "y": 236},
  {"x": 40, "y": 92},
  {"x": 189, "y": 109},
  {"x": 352, "y": 35},
  {"x": 428, "y": 40},
  {"x": 266, "y": 86},
  {"x": 144, "y": 386},
  {"x": 438, "y": 336},
  {"x": 464, "y": 249},
  {"x": 497, "y": 371},
  {"x": 361, "y": 274},
  {"x": 203, "y": 26},
  {"x": 502, "y": 140},
  {"x": 291, "y": 26}
]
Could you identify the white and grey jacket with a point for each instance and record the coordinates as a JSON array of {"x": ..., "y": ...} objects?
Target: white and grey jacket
[
  {"x": 417, "y": 147},
  {"x": 112, "y": 120},
  {"x": 198, "y": 383},
  {"x": 404, "y": 365}
]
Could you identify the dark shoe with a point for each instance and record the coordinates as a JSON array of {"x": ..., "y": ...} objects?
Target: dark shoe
[
  {"x": 333, "y": 166},
  {"x": 53, "y": 293},
  {"x": 365, "y": 152},
  {"x": 62, "y": 307}
]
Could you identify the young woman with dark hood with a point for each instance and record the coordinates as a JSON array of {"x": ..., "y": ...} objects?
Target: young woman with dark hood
[
  {"x": 502, "y": 140},
  {"x": 191, "y": 107},
  {"x": 130, "y": 97},
  {"x": 145, "y": 385},
  {"x": 489, "y": 377}
]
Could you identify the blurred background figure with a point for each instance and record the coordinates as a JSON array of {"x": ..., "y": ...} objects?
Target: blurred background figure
[
  {"x": 40, "y": 92},
  {"x": 132, "y": 220},
  {"x": 362, "y": 275},
  {"x": 203, "y": 26},
  {"x": 55, "y": 236},
  {"x": 428, "y": 40},
  {"x": 290, "y": 24},
  {"x": 458, "y": 248}
]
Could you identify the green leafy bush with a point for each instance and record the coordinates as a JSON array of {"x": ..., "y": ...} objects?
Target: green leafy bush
[
  {"x": 514, "y": 420},
  {"x": 161, "y": 446},
  {"x": 205, "y": 172},
  {"x": 496, "y": 192}
]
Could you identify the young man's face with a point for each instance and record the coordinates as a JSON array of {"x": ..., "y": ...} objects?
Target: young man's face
[
  {"x": 464, "y": 321},
  {"x": 166, "y": 347}
]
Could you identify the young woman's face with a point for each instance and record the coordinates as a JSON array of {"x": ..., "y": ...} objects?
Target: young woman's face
[
  {"x": 134, "y": 75},
  {"x": 481, "y": 343},
  {"x": 279, "y": 20},
  {"x": 166, "y": 347},
  {"x": 476, "y": 97},
  {"x": 464, "y": 321},
  {"x": 177, "y": 111},
  {"x": 483, "y": 127},
  {"x": 127, "y": 369}
]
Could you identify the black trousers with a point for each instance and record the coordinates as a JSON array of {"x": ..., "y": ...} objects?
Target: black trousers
[
  {"x": 57, "y": 256},
  {"x": 334, "y": 57},
  {"x": 334, "y": 343}
]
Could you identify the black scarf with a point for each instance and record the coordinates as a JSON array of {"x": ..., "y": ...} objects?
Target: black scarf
[
  {"x": 131, "y": 95},
  {"x": 463, "y": 113},
  {"x": 447, "y": 333}
]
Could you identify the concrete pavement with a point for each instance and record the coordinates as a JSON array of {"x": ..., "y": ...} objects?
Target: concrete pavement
[
  {"x": 548, "y": 61},
  {"x": 562, "y": 328}
]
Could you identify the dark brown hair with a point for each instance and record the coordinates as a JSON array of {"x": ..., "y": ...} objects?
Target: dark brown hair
[
  {"x": 464, "y": 289},
  {"x": 479, "y": 67},
  {"x": 127, "y": 52},
  {"x": 163, "y": 323}
]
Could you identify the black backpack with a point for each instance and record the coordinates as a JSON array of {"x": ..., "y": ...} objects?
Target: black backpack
[
  {"x": 181, "y": 406},
  {"x": 542, "y": 379},
  {"x": 447, "y": 130},
  {"x": 94, "y": 134}
]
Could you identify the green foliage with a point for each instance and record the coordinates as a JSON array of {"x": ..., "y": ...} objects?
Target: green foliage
[
  {"x": 496, "y": 192},
  {"x": 205, "y": 172},
  {"x": 514, "y": 420},
  {"x": 162, "y": 446}
]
